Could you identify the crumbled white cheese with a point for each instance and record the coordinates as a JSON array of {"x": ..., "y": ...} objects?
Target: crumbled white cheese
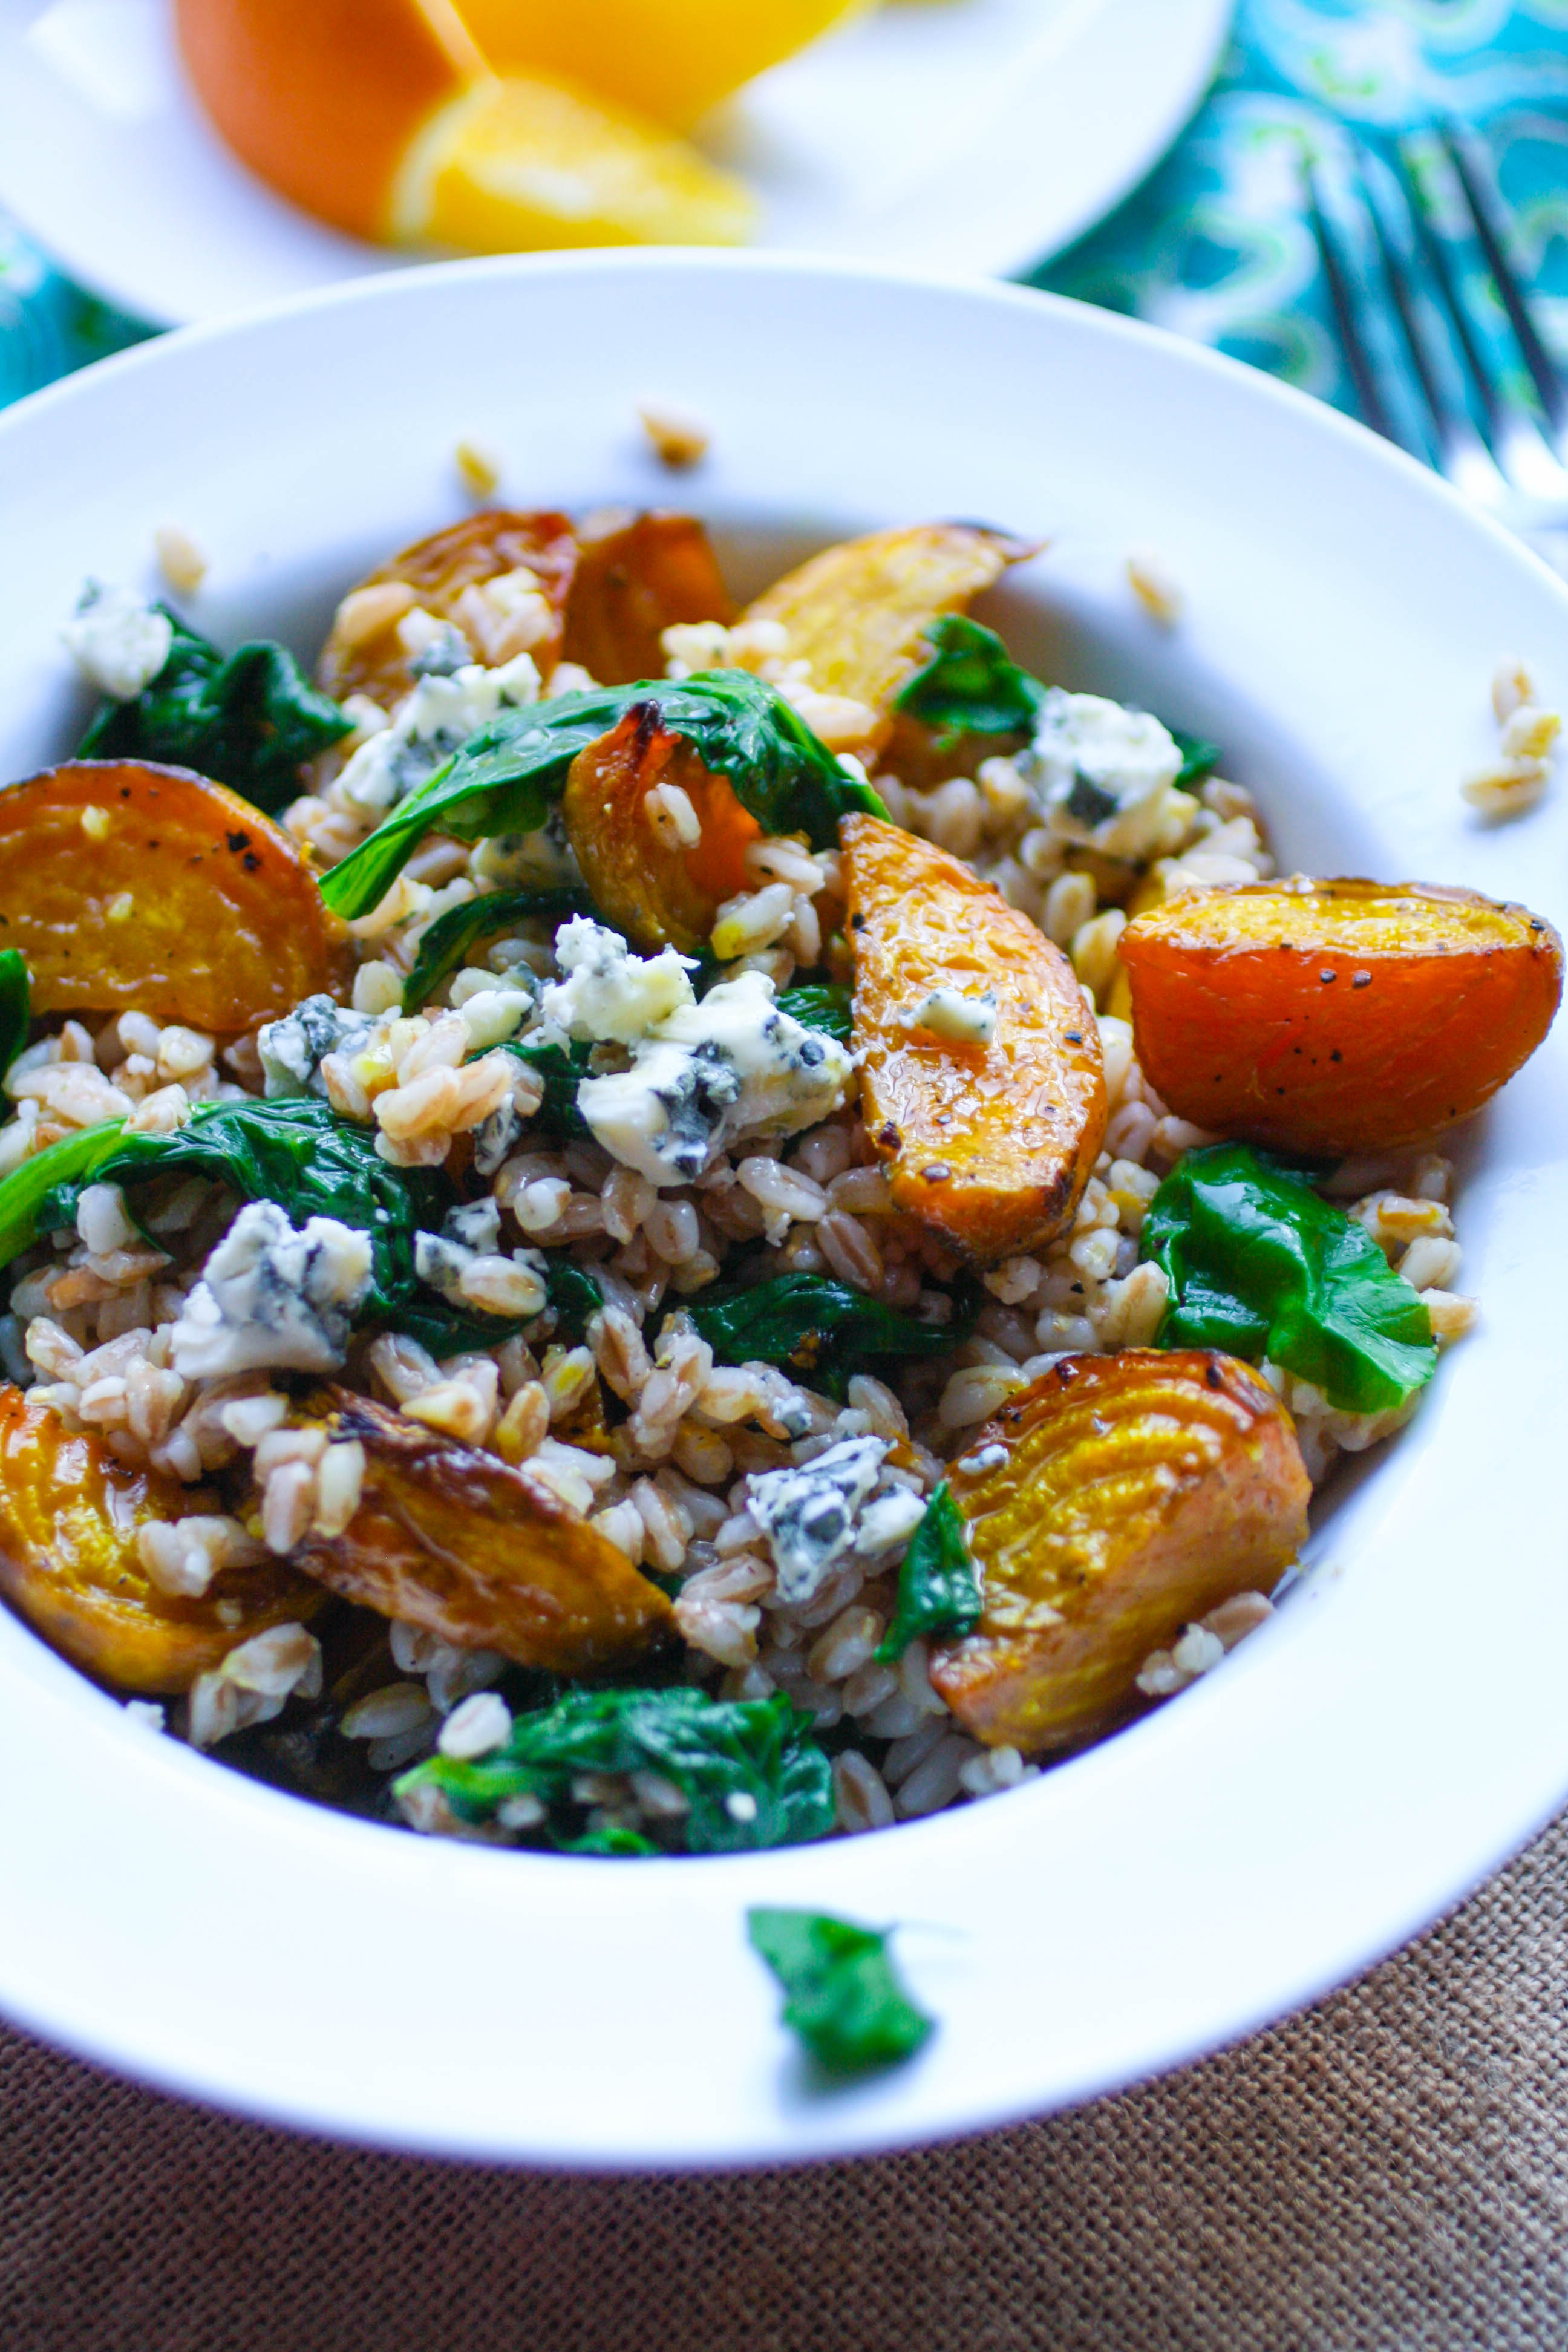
[
  {"x": 117, "y": 640},
  {"x": 733, "y": 1065},
  {"x": 809, "y": 1513},
  {"x": 272, "y": 1295},
  {"x": 891, "y": 1520},
  {"x": 464, "y": 1264},
  {"x": 957, "y": 1018},
  {"x": 438, "y": 718},
  {"x": 609, "y": 995},
  {"x": 1100, "y": 771},
  {"x": 293, "y": 1049}
]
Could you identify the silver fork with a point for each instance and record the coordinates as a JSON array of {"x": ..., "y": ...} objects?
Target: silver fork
[{"x": 1512, "y": 462}]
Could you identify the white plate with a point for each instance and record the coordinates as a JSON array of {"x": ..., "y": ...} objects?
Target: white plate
[
  {"x": 1394, "y": 1730},
  {"x": 973, "y": 135}
]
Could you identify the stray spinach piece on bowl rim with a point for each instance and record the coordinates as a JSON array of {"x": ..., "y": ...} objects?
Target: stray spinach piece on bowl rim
[
  {"x": 505, "y": 778},
  {"x": 749, "y": 1769},
  {"x": 1260, "y": 1266},
  {"x": 16, "y": 1005},
  {"x": 802, "y": 1320},
  {"x": 842, "y": 1996},
  {"x": 972, "y": 686},
  {"x": 249, "y": 721},
  {"x": 939, "y": 1587},
  {"x": 443, "y": 943}
]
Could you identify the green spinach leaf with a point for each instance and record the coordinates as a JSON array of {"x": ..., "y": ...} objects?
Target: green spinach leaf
[
  {"x": 802, "y": 1319},
  {"x": 16, "y": 1005},
  {"x": 1199, "y": 758},
  {"x": 751, "y": 1772},
  {"x": 446, "y": 941},
  {"x": 249, "y": 721},
  {"x": 939, "y": 1590},
  {"x": 447, "y": 1330},
  {"x": 842, "y": 1997},
  {"x": 820, "y": 1006},
  {"x": 296, "y": 1153},
  {"x": 72, "y": 1163},
  {"x": 563, "y": 1069},
  {"x": 971, "y": 685},
  {"x": 505, "y": 777},
  {"x": 1260, "y": 1266}
]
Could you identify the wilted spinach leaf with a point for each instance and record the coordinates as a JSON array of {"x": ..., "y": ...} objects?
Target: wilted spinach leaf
[
  {"x": 842, "y": 1997},
  {"x": 563, "y": 1069},
  {"x": 447, "y": 1330},
  {"x": 506, "y": 775},
  {"x": 939, "y": 1590},
  {"x": 296, "y": 1152},
  {"x": 1199, "y": 758},
  {"x": 821, "y": 1005},
  {"x": 71, "y": 1162},
  {"x": 971, "y": 685},
  {"x": 1260, "y": 1266},
  {"x": 752, "y": 1774},
  {"x": 448, "y": 940},
  {"x": 248, "y": 721},
  {"x": 802, "y": 1319},
  {"x": 16, "y": 1005}
]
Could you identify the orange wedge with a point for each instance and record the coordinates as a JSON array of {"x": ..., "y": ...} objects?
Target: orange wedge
[
  {"x": 668, "y": 59},
  {"x": 385, "y": 117},
  {"x": 517, "y": 165}
]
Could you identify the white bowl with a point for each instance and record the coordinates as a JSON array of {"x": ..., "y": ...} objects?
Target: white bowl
[{"x": 1395, "y": 1730}]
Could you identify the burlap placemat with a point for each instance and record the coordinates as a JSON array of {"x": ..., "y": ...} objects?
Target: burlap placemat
[{"x": 1389, "y": 2170}]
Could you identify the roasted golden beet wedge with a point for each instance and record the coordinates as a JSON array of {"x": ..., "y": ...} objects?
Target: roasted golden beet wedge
[
  {"x": 364, "y": 655},
  {"x": 989, "y": 1146},
  {"x": 1334, "y": 1017},
  {"x": 636, "y": 575},
  {"x": 133, "y": 888},
  {"x": 68, "y": 1562},
  {"x": 484, "y": 1555},
  {"x": 658, "y": 893},
  {"x": 859, "y": 612},
  {"x": 1138, "y": 1491}
]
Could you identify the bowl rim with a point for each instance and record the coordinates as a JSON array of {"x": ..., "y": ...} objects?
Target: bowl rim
[{"x": 862, "y": 2121}]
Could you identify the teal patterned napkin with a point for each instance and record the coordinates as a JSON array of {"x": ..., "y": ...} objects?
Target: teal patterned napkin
[{"x": 1215, "y": 244}]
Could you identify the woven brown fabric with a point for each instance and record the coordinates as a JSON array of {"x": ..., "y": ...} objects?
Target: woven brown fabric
[{"x": 1389, "y": 2170}]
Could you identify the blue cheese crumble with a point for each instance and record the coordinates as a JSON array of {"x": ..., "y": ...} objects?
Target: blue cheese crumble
[
  {"x": 809, "y": 1513},
  {"x": 957, "y": 1018},
  {"x": 293, "y": 1049},
  {"x": 1100, "y": 771},
  {"x": 463, "y": 1263},
  {"x": 269, "y": 1296},
  {"x": 709, "y": 1074},
  {"x": 445, "y": 709},
  {"x": 609, "y": 995},
  {"x": 118, "y": 640}
]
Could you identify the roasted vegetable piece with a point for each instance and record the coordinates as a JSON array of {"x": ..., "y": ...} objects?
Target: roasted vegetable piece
[
  {"x": 859, "y": 612},
  {"x": 438, "y": 572},
  {"x": 637, "y": 575},
  {"x": 989, "y": 1145},
  {"x": 658, "y": 892},
  {"x": 1344, "y": 1016},
  {"x": 68, "y": 1564},
  {"x": 484, "y": 1555},
  {"x": 128, "y": 886},
  {"x": 1259, "y": 1266},
  {"x": 1134, "y": 1493}
]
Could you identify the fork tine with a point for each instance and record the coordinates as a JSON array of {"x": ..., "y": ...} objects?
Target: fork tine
[
  {"x": 1543, "y": 372},
  {"x": 1336, "y": 276},
  {"x": 1523, "y": 457},
  {"x": 1440, "y": 407}
]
